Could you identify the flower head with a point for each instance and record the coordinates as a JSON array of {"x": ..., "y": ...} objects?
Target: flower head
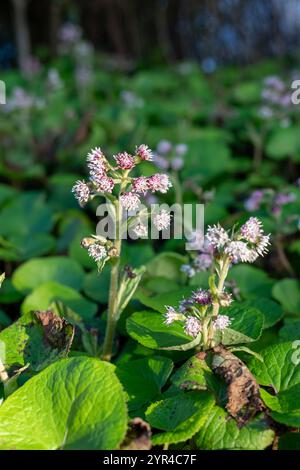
[
  {"x": 203, "y": 261},
  {"x": 81, "y": 192},
  {"x": 171, "y": 315},
  {"x": 141, "y": 230},
  {"x": 130, "y": 201},
  {"x": 162, "y": 220},
  {"x": 188, "y": 270},
  {"x": 164, "y": 146},
  {"x": 105, "y": 184},
  {"x": 192, "y": 326},
  {"x": 254, "y": 201},
  {"x": 239, "y": 252},
  {"x": 97, "y": 252},
  {"x": 202, "y": 297},
  {"x": 144, "y": 152},
  {"x": 124, "y": 161},
  {"x": 140, "y": 185},
  {"x": 252, "y": 230},
  {"x": 159, "y": 182},
  {"x": 217, "y": 236},
  {"x": 222, "y": 322},
  {"x": 96, "y": 161}
]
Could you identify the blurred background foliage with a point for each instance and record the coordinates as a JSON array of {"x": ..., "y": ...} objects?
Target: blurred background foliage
[{"x": 206, "y": 84}]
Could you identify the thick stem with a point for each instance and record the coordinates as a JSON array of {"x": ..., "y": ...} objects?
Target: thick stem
[
  {"x": 112, "y": 317},
  {"x": 216, "y": 301}
]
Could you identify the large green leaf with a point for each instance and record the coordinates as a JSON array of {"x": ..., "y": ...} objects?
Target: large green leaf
[
  {"x": 280, "y": 370},
  {"x": 220, "y": 432},
  {"x": 73, "y": 404},
  {"x": 246, "y": 325},
  {"x": 44, "y": 295},
  {"x": 166, "y": 265},
  {"x": 143, "y": 379},
  {"x": 26, "y": 214},
  {"x": 287, "y": 292},
  {"x": 37, "y": 271},
  {"x": 271, "y": 310},
  {"x": 36, "y": 339},
  {"x": 290, "y": 331},
  {"x": 180, "y": 416},
  {"x": 149, "y": 329},
  {"x": 251, "y": 281}
]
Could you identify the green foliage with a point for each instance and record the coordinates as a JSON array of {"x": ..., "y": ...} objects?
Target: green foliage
[{"x": 80, "y": 405}]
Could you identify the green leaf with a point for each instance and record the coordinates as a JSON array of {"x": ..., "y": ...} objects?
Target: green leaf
[
  {"x": 96, "y": 285},
  {"x": 192, "y": 375},
  {"x": 159, "y": 302},
  {"x": 149, "y": 329},
  {"x": 246, "y": 325},
  {"x": 42, "y": 297},
  {"x": 220, "y": 432},
  {"x": 289, "y": 332},
  {"x": 180, "y": 416},
  {"x": 166, "y": 265},
  {"x": 271, "y": 311},
  {"x": 37, "y": 339},
  {"x": 8, "y": 294},
  {"x": 289, "y": 441},
  {"x": 248, "y": 351},
  {"x": 283, "y": 143},
  {"x": 143, "y": 379},
  {"x": 75, "y": 403},
  {"x": 287, "y": 292},
  {"x": 37, "y": 271},
  {"x": 251, "y": 281},
  {"x": 26, "y": 214},
  {"x": 281, "y": 371}
]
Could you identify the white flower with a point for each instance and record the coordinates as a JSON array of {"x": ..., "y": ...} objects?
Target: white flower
[
  {"x": 239, "y": 251},
  {"x": 130, "y": 201},
  {"x": 81, "y": 192},
  {"x": 162, "y": 220},
  {"x": 141, "y": 230},
  {"x": 171, "y": 315},
  {"x": 262, "y": 245},
  {"x": 159, "y": 182},
  {"x": 97, "y": 252},
  {"x": 192, "y": 326},
  {"x": 222, "y": 322},
  {"x": 217, "y": 236},
  {"x": 252, "y": 230}
]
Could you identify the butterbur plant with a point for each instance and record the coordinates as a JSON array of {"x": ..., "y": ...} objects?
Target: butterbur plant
[
  {"x": 113, "y": 181},
  {"x": 203, "y": 315}
]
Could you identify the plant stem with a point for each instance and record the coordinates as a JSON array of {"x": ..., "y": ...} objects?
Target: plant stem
[
  {"x": 216, "y": 301},
  {"x": 112, "y": 317}
]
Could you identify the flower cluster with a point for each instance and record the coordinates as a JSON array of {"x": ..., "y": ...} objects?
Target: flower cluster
[
  {"x": 200, "y": 313},
  {"x": 245, "y": 246},
  {"x": 192, "y": 313},
  {"x": 276, "y": 100},
  {"x": 271, "y": 199},
  {"x": 104, "y": 176}
]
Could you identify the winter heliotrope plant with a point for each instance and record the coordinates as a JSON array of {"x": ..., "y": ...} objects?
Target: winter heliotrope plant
[
  {"x": 112, "y": 181},
  {"x": 200, "y": 314}
]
